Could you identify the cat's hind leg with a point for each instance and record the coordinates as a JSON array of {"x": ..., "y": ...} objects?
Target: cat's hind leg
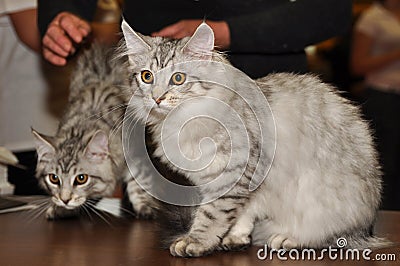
[
  {"x": 276, "y": 237},
  {"x": 279, "y": 241},
  {"x": 210, "y": 223},
  {"x": 239, "y": 236},
  {"x": 265, "y": 231}
]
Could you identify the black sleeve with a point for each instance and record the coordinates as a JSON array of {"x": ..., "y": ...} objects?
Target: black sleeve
[
  {"x": 48, "y": 9},
  {"x": 290, "y": 26}
]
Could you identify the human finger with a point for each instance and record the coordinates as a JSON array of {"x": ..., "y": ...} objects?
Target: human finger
[
  {"x": 74, "y": 27},
  {"x": 53, "y": 58},
  {"x": 57, "y": 41}
]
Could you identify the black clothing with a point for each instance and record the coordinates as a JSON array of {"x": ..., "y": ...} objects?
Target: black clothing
[
  {"x": 383, "y": 110},
  {"x": 24, "y": 179},
  {"x": 266, "y": 35}
]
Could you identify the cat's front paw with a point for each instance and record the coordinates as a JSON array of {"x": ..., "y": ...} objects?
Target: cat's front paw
[
  {"x": 51, "y": 213},
  {"x": 144, "y": 211},
  {"x": 232, "y": 242},
  {"x": 188, "y": 246}
]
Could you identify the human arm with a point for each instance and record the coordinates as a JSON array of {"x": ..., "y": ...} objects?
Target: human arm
[
  {"x": 63, "y": 24},
  {"x": 186, "y": 27},
  {"x": 362, "y": 59},
  {"x": 273, "y": 26},
  {"x": 49, "y": 9},
  {"x": 64, "y": 31},
  {"x": 24, "y": 23}
]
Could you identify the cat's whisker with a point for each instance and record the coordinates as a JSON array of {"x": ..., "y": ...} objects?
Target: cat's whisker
[
  {"x": 85, "y": 209},
  {"x": 129, "y": 114},
  {"x": 133, "y": 111},
  {"x": 117, "y": 126},
  {"x": 102, "y": 113},
  {"x": 132, "y": 121},
  {"x": 39, "y": 204},
  {"x": 92, "y": 207},
  {"x": 116, "y": 129},
  {"x": 118, "y": 206},
  {"x": 35, "y": 213}
]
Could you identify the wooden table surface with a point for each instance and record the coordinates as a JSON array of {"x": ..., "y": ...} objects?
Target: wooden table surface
[{"x": 27, "y": 241}]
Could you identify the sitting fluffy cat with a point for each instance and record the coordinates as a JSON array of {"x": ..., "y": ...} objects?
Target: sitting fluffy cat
[{"x": 324, "y": 180}]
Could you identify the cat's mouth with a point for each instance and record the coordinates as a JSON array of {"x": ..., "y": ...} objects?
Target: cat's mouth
[
  {"x": 160, "y": 109},
  {"x": 69, "y": 207},
  {"x": 69, "y": 204},
  {"x": 158, "y": 113}
]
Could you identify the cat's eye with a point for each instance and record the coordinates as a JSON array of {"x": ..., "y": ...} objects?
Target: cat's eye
[
  {"x": 178, "y": 78},
  {"x": 54, "y": 179},
  {"x": 81, "y": 179},
  {"x": 147, "y": 76}
]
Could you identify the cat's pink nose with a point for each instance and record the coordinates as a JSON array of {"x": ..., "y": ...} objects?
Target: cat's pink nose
[{"x": 159, "y": 99}]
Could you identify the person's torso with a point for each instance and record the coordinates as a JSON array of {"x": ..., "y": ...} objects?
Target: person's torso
[{"x": 152, "y": 15}]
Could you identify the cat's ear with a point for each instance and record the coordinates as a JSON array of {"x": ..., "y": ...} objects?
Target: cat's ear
[
  {"x": 134, "y": 43},
  {"x": 202, "y": 42},
  {"x": 44, "y": 147},
  {"x": 97, "y": 149}
]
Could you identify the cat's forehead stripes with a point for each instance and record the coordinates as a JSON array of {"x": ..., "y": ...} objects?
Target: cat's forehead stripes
[
  {"x": 69, "y": 151},
  {"x": 164, "y": 54},
  {"x": 67, "y": 164}
]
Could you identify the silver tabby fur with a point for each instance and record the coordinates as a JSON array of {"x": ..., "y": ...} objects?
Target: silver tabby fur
[
  {"x": 88, "y": 140},
  {"x": 324, "y": 183}
]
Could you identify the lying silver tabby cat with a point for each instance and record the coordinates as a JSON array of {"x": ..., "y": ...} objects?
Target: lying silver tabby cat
[{"x": 84, "y": 160}]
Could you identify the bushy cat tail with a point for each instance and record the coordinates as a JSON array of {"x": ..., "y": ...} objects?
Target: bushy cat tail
[
  {"x": 361, "y": 240},
  {"x": 173, "y": 222},
  {"x": 371, "y": 242}
]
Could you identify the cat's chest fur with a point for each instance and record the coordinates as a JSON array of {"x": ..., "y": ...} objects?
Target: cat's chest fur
[{"x": 199, "y": 146}]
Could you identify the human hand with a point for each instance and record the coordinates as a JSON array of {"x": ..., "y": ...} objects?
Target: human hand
[
  {"x": 63, "y": 32},
  {"x": 187, "y": 27}
]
